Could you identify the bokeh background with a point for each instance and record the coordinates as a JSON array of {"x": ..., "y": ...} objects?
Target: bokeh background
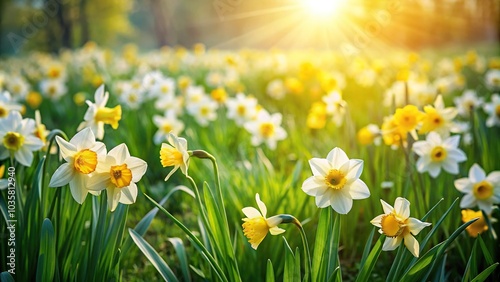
[{"x": 49, "y": 25}]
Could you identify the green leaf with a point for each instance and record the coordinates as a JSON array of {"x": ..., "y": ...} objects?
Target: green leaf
[
  {"x": 367, "y": 268},
  {"x": 367, "y": 248},
  {"x": 486, "y": 252},
  {"x": 269, "y": 271},
  {"x": 290, "y": 273},
  {"x": 320, "y": 244},
  {"x": 47, "y": 254},
  {"x": 6, "y": 277},
  {"x": 155, "y": 259},
  {"x": 181, "y": 254},
  {"x": 333, "y": 253},
  {"x": 471, "y": 267},
  {"x": 483, "y": 275}
]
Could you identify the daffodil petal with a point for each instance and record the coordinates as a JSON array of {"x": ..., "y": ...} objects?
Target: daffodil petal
[
  {"x": 358, "y": 190},
  {"x": 251, "y": 212},
  {"x": 463, "y": 185},
  {"x": 416, "y": 225},
  {"x": 377, "y": 220},
  {"x": 468, "y": 201},
  {"x": 261, "y": 205},
  {"x": 391, "y": 243},
  {"x": 78, "y": 186},
  {"x": 341, "y": 202},
  {"x": 337, "y": 157},
  {"x": 402, "y": 207},
  {"x": 128, "y": 194},
  {"x": 476, "y": 174},
  {"x": 386, "y": 207},
  {"x": 355, "y": 169},
  {"x": 412, "y": 244},
  {"x": 276, "y": 230},
  {"x": 61, "y": 176},
  {"x": 319, "y": 167},
  {"x": 314, "y": 186}
]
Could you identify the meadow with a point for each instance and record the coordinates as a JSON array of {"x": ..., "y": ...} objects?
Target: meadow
[{"x": 250, "y": 165}]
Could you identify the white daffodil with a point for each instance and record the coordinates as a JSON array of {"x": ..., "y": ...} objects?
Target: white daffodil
[
  {"x": 53, "y": 89},
  {"x": 493, "y": 111},
  {"x": 492, "y": 78},
  {"x": 82, "y": 154},
  {"x": 468, "y": 102},
  {"x": 166, "y": 124},
  {"x": 480, "y": 190},
  {"x": 98, "y": 114},
  {"x": 175, "y": 154},
  {"x": 256, "y": 225},
  {"x": 7, "y": 105},
  {"x": 438, "y": 119},
  {"x": 18, "y": 139},
  {"x": 335, "y": 181},
  {"x": 335, "y": 106},
  {"x": 204, "y": 111},
  {"x": 266, "y": 128},
  {"x": 118, "y": 172},
  {"x": 436, "y": 153},
  {"x": 276, "y": 89},
  {"x": 241, "y": 108},
  {"x": 397, "y": 225}
]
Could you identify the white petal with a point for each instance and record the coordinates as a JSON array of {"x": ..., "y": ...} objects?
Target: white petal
[
  {"x": 494, "y": 178},
  {"x": 450, "y": 166},
  {"x": 463, "y": 185},
  {"x": 391, "y": 243},
  {"x": 377, "y": 220},
  {"x": 128, "y": 194},
  {"x": 412, "y": 244},
  {"x": 171, "y": 172},
  {"x": 261, "y": 205},
  {"x": 358, "y": 190},
  {"x": 98, "y": 181},
  {"x": 434, "y": 139},
  {"x": 314, "y": 185},
  {"x": 78, "y": 187},
  {"x": 402, "y": 207},
  {"x": 323, "y": 201},
  {"x": 485, "y": 206},
  {"x": 416, "y": 225},
  {"x": 319, "y": 167},
  {"x": 99, "y": 148},
  {"x": 468, "y": 201},
  {"x": 355, "y": 170},
  {"x": 83, "y": 139},
  {"x": 452, "y": 142},
  {"x": 422, "y": 163},
  {"x": 113, "y": 198},
  {"x": 421, "y": 148},
  {"x": 251, "y": 212},
  {"x": 434, "y": 169},
  {"x": 386, "y": 207},
  {"x": 457, "y": 155},
  {"x": 476, "y": 174},
  {"x": 61, "y": 176},
  {"x": 337, "y": 157},
  {"x": 276, "y": 230},
  {"x": 120, "y": 153},
  {"x": 341, "y": 202},
  {"x": 24, "y": 156},
  {"x": 137, "y": 166}
]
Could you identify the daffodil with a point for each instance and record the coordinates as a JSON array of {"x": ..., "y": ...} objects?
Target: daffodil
[
  {"x": 407, "y": 119},
  {"x": 82, "y": 154},
  {"x": 480, "y": 190},
  {"x": 369, "y": 134},
  {"x": 53, "y": 89},
  {"x": 118, "y": 172},
  {"x": 7, "y": 105},
  {"x": 256, "y": 225},
  {"x": 241, "y": 108},
  {"x": 18, "y": 140},
  {"x": 175, "y": 154},
  {"x": 493, "y": 111},
  {"x": 276, "y": 89},
  {"x": 335, "y": 106},
  {"x": 166, "y": 124},
  {"x": 492, "y": 78},
  {"x": 468, "y": 102},
  {"x": 438, "y": 118},
  {"x": 266, "y": 128},
  {"x": 40, "y": 130},
  {"x": 335, "y": 181},
  {"x": 478, "y": 226},
  {"x": 98, "y": 114},
  {"x": 398, "y": 226},
  {"x": 204, "y": 110},
  {"x": 391, "y": 134},
  {"x": 436, "y": 153}
]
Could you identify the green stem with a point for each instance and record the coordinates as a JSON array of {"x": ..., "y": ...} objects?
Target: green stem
[
  {"x": 195, "y": 239},
  {"x": 307, "y": 258}
]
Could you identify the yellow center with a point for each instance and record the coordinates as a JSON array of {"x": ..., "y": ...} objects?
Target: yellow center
[
  {"x": 109, "y": 115},
  {"x": 335, "y": 179},
  {"x": 85, "y": 161},
  {"x": 167, "y": 127},
  {"x": 54, "y": 73},
  {"x": 170, "y": 156},
  {"x": 241, "y": 110},
  {"x": 438, "y": 154},
  {"x": 391, "y": 226},
  {"x": 13, "y": 141},
  {"x": 267, "y": 129},
  {"x": 204, "y": 111},
  {"x": 120, "y": 175},
  {"x": 3, "y": 112},
  {"x": 483, "y": 190},
  {"x": 255, "y": 229},
  {"x": 497, "y": 111},
  {"x": 164, "y": 89},
  {"x": 51, "y": 90}
]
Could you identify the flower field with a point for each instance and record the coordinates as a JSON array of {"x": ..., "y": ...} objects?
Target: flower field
[{"x": 199, "y": 164}]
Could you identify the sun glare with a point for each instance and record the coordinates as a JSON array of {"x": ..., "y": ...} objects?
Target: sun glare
[{"x": 322, "y": 7}]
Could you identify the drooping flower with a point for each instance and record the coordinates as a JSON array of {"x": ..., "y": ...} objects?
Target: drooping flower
[
  {"x": 477, "y": 227},
  {"x": 436, "y": 153},
  {"x": 266, "y": 128},
  {"x": 118, "y": 172},
  {"x": 256, "y": 225},
  {"x": 438, "y": 118},
  {"x": 493, "y": 111},
  {"x": 166, "y": 124},
  {"x": 398, "y": 226},
  {"x": 175, "y": 154},
  {"x": 335, "y": 181},
  {"x": 480, "y": 190},
  {"x": 18, "y": 139},
  {"x": 98, "y": 114},
  {"x": 82, "y": 154}
]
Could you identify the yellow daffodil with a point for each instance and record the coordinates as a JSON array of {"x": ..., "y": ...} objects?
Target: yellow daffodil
[
  {"x": 369, "y": 134},
  {"x": 175, "y": 154},
  {"x": 407, "y": 119},
  {"x": 82, "y": 154},
  {"x": 438, "y": 118},
  {"x": 391, "y": 134},
  {"x": 256, "y": 225},
  {"x": 398, "y": 226},
  {"x": 477, "y": 227}
]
